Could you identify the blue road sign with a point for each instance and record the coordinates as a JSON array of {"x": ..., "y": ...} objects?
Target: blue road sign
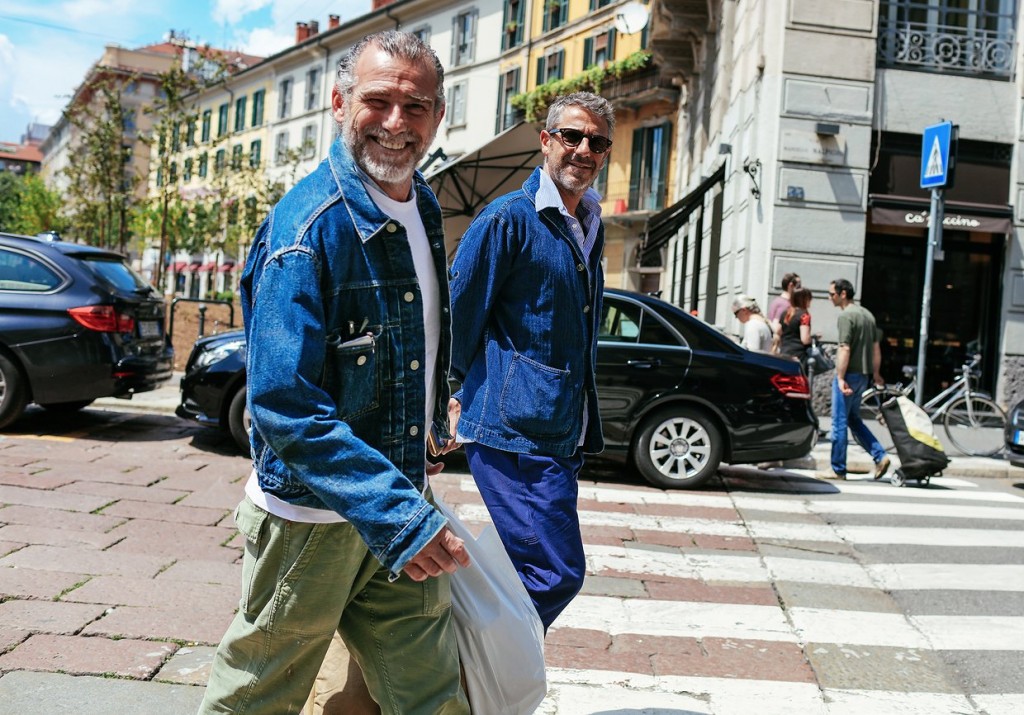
[{"x": 935, "y": 155}]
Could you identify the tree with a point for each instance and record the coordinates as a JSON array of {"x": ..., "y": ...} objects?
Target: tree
[
  {"x": 27, "y": 206},
  {"x": 101, "y": 181}
]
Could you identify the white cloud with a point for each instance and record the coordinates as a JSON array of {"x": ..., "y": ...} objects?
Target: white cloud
[
  {"x": 265, "y": 41},
  {"x": 233, "y": 12}
]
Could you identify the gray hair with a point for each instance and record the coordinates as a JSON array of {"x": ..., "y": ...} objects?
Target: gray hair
[
  {"x": 401, "y": 45},
  {"x": 745, "y": 301},
  {"x": 596, "y": 105}
]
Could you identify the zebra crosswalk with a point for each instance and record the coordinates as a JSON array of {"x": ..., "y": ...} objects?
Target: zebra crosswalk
[{"x": 806, "y": 597}]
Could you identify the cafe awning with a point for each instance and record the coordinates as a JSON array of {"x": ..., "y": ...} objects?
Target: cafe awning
[
  {"x": 466, "y": 184},
  {"x": 662, "y": 226},
  {"x": 912, "y": 212}
]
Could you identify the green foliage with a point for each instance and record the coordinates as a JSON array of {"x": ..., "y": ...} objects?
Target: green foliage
[
  {"x": 535, "y": 102},
  {"x": 27, "y": 206}
]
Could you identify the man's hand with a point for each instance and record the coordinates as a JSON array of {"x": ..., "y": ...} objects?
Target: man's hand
[
  {"x": 844, "y": 387},
  {"x": 444, "y": 553},
  {"x": 454, "y": 413}
]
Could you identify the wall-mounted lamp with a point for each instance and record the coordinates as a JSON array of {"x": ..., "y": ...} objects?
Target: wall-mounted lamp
[
  {"x": 753, "y": 168},
  {"x": 826, "y": 129}
]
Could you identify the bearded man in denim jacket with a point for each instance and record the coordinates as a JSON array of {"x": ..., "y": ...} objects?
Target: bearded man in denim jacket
[
  {"x": 346, "y": 314},
  {"x": 526, "y": 300}
]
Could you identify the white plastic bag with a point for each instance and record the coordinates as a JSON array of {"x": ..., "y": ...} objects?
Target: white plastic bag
[{"x": 500, "y": 635}]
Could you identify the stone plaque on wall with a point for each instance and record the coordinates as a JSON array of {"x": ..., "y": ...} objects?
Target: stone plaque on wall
[{"x": 812, "y": 148}]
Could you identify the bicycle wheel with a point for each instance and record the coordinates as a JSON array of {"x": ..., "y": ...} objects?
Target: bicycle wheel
[
  {"x": 975, "y": 426},
  {"x": 871, "y": 413}
]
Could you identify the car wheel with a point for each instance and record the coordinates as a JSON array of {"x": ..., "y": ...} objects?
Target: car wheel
[
  {"x": 12, "y": 392},
  {"x": 678, "y": 448},
  {"x": 66, "y": 406},
  {"x": 238, "y": 420}
]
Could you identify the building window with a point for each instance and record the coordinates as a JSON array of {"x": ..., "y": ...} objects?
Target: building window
[
  {"x": 648, "y": 179},
  {"x": 258, "y": 99},
  {"x": 514, "y": 19},
  {"x": 556, "y": 13},
  {"x": 222, "y": 120},
  {"x": 204, "y": 161},
  {"x": 159, "y": 176},
  {"x": 313, "y": 89},
  {"x": 176, "y": 137},
  {"x": 190, "y": 132},
  {"x": 597, "y": 4},
  {"x": 601, "y": 182},
  {"x": 254, "y": 153},
  {"x": 284, "y": 98},
  {"x": 219, "y": 160},
  {"x": 207, "y": 120},
  {"x": 549, "y": 67},
  {"x": 128, "y": 121},
  {"x": 281, "y": 148},
  {"x": 172, "y": 174},
  {"x": 508, "y": 87},
  {"x": 455, "y": 113},
  {"x": 236, "y": 157},
  {"x": 423, "y": 33},
  {"x": 599, "y": 49},
  {"x": 971, "y": 37},
  {"x": 463, "y": 38},
  {"x": 309, "y": 141},
  {"x": 240, "y": 114},
  {"x": 186, "y": 171}
]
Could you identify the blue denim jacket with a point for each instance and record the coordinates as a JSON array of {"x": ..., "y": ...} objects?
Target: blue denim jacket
[
  {"x": 525, "y": 309},
  {"x": 334, "y": 329}
]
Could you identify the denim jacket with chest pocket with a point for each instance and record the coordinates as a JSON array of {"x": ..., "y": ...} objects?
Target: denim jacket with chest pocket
[
  {"x": 526, "y": 308},
  {"x": 335, "y": 358}
]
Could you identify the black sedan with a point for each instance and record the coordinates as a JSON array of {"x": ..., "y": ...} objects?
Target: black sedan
[
  {"x": 677, "y": 397},
  {"x": 76, "y": 323}
]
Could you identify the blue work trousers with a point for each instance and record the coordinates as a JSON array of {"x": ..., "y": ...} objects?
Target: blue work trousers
[{"x": 532, "y": 502}]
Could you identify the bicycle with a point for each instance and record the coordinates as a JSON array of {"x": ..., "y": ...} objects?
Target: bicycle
[{"x": 973, "y": 421}]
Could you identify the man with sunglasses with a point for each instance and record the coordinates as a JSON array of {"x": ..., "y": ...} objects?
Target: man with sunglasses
[{"x": 526, "y": 301}]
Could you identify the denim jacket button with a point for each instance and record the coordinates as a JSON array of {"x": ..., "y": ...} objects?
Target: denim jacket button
[
  {"x": 391, "y": 228},
  {"x": 361, "y": 360},
  {"x": 409, "y": 297},
  {"x": 586, "y": 309},
  {"x": 580, "y": 267},
  {"x": 414, "y": 365},
  {"x": 414, "y": 430}
]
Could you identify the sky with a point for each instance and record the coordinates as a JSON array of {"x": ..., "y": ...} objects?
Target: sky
[{"x": 47, "y": 46}]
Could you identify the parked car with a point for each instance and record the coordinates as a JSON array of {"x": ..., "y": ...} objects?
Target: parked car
[
  {"x": 677, "y": 397},
  {"x": 76, "y": 323},
  {"x": 1014, "y": 435}
]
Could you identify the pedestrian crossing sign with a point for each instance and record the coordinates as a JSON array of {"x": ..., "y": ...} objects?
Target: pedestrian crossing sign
[{"x": 935, "y": 155}]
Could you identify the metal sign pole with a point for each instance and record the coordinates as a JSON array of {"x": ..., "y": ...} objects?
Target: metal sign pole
[{"x": 935, "y": 217}]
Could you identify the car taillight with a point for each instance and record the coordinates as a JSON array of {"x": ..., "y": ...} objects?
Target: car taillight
[
  {"x": 103, "y": 319},
  {"x": 792, "y": 385}
]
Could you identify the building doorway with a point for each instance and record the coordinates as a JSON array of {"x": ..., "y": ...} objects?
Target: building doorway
[{"x": 966, "y": 295}]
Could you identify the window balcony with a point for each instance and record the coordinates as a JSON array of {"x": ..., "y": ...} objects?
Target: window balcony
[
  {"x": 946, "y": 49},
  {"x": 640, "y": 88}
]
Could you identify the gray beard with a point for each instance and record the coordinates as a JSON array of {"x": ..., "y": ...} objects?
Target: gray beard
[{"x": 383, "y": 172}]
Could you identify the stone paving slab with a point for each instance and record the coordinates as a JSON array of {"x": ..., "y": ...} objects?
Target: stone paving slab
[
  {"x": 40, "y": 516},
  {"x": 191, "y": 625},
  {"x": 36, "y": 583},
  {"x": 127, "y": 591},
  {"x": 55, "y": 558},
  {"x": 48, "y": 616},
  {"x": 24, "y": 692},
  {"x": 78, "y": 655}
]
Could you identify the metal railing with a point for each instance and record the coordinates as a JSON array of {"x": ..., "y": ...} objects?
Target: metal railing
[
  {"x": 946, "y": 48},
  {"x": 202, "y": 313}
]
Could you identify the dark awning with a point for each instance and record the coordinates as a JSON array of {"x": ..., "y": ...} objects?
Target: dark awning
[
  {"x": 662, "y": 226},
  {"x": 466, "y": 184},
  {"x": 912, "y": 212}
]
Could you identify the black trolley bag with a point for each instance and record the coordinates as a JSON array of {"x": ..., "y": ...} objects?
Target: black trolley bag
[{"x": 919, "y": 449}]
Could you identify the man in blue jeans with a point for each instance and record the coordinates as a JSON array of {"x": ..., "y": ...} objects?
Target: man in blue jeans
[
  {"x": 526, "y": 299},
  {"x": 858, "y": 359}
]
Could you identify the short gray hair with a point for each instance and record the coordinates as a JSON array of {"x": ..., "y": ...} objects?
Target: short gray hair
[
  {"x": 595, "y": 104},
  {"x": 401, "y": 45}
]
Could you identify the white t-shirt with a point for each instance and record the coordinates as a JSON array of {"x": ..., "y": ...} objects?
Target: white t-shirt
[
  {"x": 757, "y": 335},
  {"x": 407, "y": 214}
]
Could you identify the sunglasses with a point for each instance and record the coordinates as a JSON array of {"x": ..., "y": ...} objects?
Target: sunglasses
[{"x": 573, "y": 137}]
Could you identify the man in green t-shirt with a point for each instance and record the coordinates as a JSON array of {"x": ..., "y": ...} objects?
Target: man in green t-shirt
[{"x": 858, "y": 359}]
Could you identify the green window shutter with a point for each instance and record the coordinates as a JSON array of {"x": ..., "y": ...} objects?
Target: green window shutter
[
  {"x": 541, "y": 68},
  {"x": 588, "y": 47}
]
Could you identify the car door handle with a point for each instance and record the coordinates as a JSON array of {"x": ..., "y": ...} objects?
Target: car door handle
[{"x": 644, "y": 364}]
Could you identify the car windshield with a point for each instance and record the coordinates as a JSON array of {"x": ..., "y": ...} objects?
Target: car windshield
[{"x": 118, "y": 274}]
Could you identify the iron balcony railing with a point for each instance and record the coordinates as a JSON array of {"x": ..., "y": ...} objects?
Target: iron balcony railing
[
  {"x": 947, "y": 49},
  {"x": 636, "y": 83}
]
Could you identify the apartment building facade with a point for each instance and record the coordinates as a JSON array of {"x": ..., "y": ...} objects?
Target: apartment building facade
[{"x": 799, "y": 149}]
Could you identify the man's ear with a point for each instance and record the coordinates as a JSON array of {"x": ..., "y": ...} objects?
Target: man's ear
[{"x": 337, "y": 104}]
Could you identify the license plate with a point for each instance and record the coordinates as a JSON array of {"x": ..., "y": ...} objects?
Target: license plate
[{"x": 149, "y": 329}]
